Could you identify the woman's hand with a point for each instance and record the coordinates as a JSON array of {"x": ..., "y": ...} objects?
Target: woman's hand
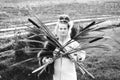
[
  {"x": 79, "y": 56},
  {"x": 47, "y": 60},
  {"x": 55, "y": 53}
]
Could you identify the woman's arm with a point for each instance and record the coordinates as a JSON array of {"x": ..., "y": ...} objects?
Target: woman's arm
[
  {"x": 46, "y": 53},
  {"x": 78, "y": 56}
]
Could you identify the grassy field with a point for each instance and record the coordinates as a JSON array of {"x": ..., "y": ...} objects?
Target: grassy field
[
  {"x": 104, "y": 65},
  {"x": 17, "y": 13}
]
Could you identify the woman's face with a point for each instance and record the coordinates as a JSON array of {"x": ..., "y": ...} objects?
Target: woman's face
[{"x": 63, "y": 30}]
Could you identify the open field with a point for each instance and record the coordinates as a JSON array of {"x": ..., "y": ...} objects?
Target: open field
[{"x": 104, "y": 65}]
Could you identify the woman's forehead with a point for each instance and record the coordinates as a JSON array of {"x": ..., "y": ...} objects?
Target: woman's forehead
[{"x": 62, "y": 25}]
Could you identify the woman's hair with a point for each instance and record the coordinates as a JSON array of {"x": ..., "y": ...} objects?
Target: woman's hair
[
  {"x": 68, "y": 26},
  {"x": 65, "y": 19}
]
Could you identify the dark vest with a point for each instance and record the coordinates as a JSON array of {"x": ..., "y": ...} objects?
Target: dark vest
[{"x": 48, "y": 52}]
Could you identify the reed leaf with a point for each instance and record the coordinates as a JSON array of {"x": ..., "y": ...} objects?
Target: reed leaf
[
  {"x": 35, "y": 32},
  {"x": 91, "y": 34},
  {"x": 48, "y": 33},
  {"x": 21, "y": 62},
  {"x": 105, "y": 25},
  {"x": 96, "y": 39},
  {"x": 88, "y": 26},
  {"x": 41, "y": 71},
  {"x": 40, "y": 68},
  {"x": 105, "y": 47},
  {"x": 85, "y": 70},
  {"x": 7, "y": 55},
  {"x": 87, "y": 29},
  {"x": 8, "y": 51},
  {"x": 32, "y": 36},
  {"x": 35, "y": 41},
  {"x": 31, "y": 49}
]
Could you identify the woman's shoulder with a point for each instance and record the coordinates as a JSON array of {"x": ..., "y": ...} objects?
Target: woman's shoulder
[
  {"x": 74, "y": 44},
  {"x": 49, "y": 46}
]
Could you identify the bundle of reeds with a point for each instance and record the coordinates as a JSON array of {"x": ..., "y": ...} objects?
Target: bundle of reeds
[{"x": 89, "y": 32}]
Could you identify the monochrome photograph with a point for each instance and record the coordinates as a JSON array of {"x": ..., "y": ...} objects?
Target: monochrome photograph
[{"x": 59, "y": 39}]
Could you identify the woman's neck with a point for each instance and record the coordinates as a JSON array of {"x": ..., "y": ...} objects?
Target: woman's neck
[{"x": 63, "y": 38}]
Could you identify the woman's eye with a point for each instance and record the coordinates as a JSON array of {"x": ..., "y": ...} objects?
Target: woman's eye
[
  {"x": 60, "y": 28},
  {"x": 64, "y": 28}
]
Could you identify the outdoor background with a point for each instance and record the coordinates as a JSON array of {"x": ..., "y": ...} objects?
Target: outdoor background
[{"x": 104, "y": 65}]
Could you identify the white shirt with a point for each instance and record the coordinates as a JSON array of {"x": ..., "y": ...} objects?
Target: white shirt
[{"x": 64, "y": 67}]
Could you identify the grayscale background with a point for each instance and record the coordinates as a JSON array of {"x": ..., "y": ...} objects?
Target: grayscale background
[{"x": 14, "y": 14}]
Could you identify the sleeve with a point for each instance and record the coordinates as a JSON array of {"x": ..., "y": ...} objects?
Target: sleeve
[
  {"x": 74, "y": 31},
  {"x": 9, "y": 47},
  {"x": 80, "y": 55},
  {"x": 47, "y": 52}
]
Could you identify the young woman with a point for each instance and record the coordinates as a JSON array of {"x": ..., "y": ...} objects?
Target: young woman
[{"x": 62, "y": 68}]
